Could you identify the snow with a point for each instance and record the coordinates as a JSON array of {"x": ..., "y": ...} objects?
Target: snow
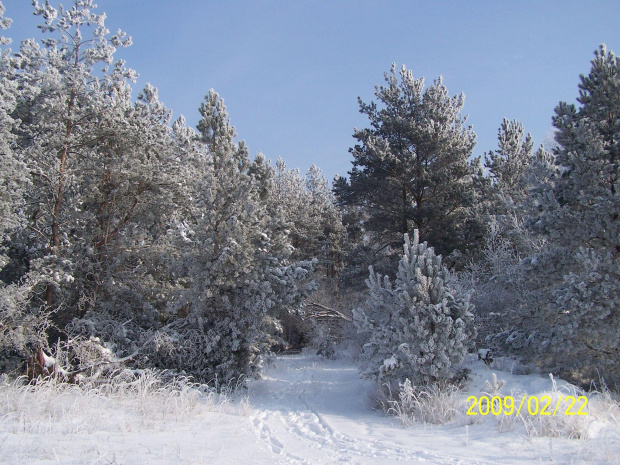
[
  {"x": 48, "y": 361},
  {"x": 390, "y": 363},
  {"x": 306, "y": 410}
]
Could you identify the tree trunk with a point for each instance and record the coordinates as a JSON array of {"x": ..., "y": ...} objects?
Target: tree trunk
[
  {"x": 60, "y": 195},
  {"x": 404, "y": 218}
]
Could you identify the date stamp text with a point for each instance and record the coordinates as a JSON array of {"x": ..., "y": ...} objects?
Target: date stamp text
[{"x": 531, "y": 405}]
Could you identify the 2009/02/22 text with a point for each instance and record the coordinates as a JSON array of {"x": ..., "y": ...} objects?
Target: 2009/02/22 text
[{"x": 533, "y": 405}]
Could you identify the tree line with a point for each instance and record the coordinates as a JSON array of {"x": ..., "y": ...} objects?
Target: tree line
[{"x": 129, "y": 238}]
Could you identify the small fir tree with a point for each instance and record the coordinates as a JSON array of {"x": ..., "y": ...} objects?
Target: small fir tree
[{"x": 421, "y": 328}]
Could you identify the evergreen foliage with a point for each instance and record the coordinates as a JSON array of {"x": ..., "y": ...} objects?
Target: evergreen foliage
[
  {"x": 495, "y": 277},
  {"x": 411, "y": 168},
  {"x": 145, "y": 243},
  {"x": 234, "y": 260},
  {"x": 305, "y": 207},
  {"x": 420, "y": 328},
  {"x": 550, "y": 272},
  {"x": 507, "y": 167},
  {"x": 22, "y": 324},
  {"x": 127, "y": 239},
  {"x": 577, "y": 212},
  {"x": 67, "y": 118},
  {"x": 309, "y": 208}
]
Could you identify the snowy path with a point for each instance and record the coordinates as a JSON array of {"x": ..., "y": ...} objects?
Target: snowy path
[
  {"x": 306, "y": 411},
  {"x": 315, "y": 412}
]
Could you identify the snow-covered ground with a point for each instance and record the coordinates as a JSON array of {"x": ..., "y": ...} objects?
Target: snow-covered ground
[{"x": 306, "y": 410}]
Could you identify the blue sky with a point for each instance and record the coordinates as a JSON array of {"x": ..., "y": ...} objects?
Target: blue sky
[{"x": 290, "y": 71}]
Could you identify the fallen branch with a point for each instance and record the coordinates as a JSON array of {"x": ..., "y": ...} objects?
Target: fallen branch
[
  {"x": 137, "y": 352},
  {"x": 328, "y": 312}
]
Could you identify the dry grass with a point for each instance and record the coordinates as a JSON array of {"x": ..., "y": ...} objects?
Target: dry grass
[
  {"x": 114, "y": 404},
  {"x": 437, "y": 404},
  {"x": 601, "y": 411}
]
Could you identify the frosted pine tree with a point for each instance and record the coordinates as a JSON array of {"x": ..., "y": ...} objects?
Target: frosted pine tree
[
  {"x": 495, "y": 276},
  {"x": 65, "y": 120},
  {"x": 325, "y": 223},
  {"x": 411, "y": 167},
  {"x": 100, "y": 192},
  {"x": 422, "y": 327},
  {"x": 23, "y": 325},
  {"x": 13, "y": 179},
  {"x": 575, "y": 278},
  {"x": 130, "y": 196},
  {"x": 223, "y": 318},
  {"x": 507, "y": 166},
  {"x": 233, "y": 263},
  {"x": 314, "y": 220},
  {"x": 307, "y": 206}
]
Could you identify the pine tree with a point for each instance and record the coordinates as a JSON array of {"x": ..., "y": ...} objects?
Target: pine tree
[
  {"x": 23, "y": 326},
  {"x": 101, "y": 189},
  {"x": 411, "y": 169},
  {"x": 422, "y": 327},
  {"x": 495, "y": 275},
  {"x": 576, "y": 211},
  {"x": 310, "y": 210},
  {"x": 61, "y": 123},
  {"x": 129, "y": 197},
  {"x": 507, "y": 167},
  {"x": 316, "y": 233},
  {"x": 13, "y": 180},
  {"x": 235, "y": 266}
]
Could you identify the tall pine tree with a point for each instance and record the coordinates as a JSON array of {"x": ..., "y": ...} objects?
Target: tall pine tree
[
  {"x": 64, "y": 120},
  {"x": 572, "y": 323},
  {"x": 234, "y": 265},
  {"x": 410, "y": 167}
]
